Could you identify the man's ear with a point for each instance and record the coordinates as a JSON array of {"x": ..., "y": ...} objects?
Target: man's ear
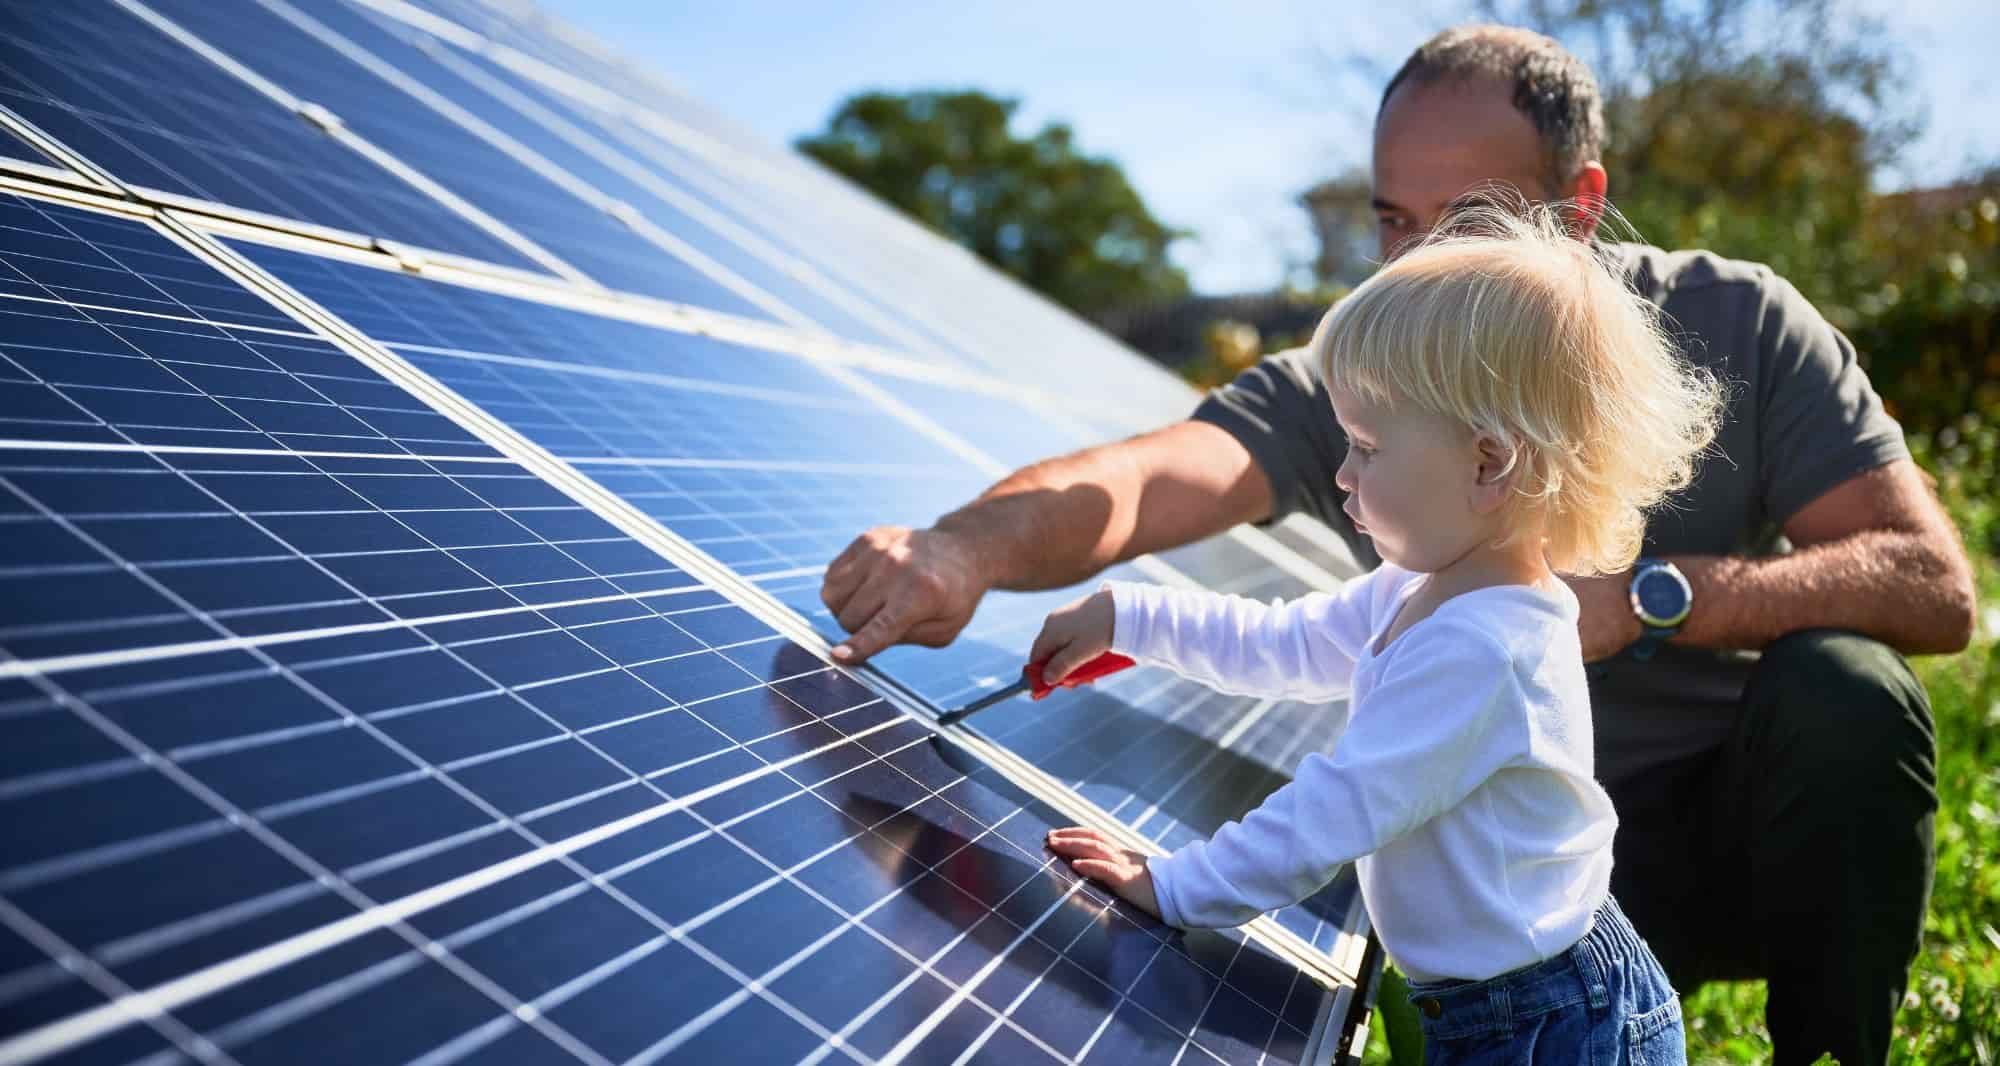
[
  {"x": 1493, "y": 478},
  {"x": 1587, "y": 192}
]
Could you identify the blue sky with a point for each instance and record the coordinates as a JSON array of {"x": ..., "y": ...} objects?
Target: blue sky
[{"x": 1220, "y": 114}]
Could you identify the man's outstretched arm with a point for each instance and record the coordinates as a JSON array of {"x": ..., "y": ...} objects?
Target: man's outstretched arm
[
  {"x": 1875, "y": 555},
  {"x": 1051, "y": 524}
]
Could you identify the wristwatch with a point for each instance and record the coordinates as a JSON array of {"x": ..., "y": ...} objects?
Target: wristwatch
[{"x": 1661, "y": 598}]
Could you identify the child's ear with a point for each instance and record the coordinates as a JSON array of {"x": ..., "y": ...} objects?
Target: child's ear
[{"x": 1494, "y": 476}]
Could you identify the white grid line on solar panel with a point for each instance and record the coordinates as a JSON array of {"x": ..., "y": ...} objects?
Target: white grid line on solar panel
[
  {"x": 969, "y": 410},
  {"x": 150, "y": 111},
  {"x": 536, "y": 159},
  {"x": 538, "y": 411},
  {"x": 523, "y": 193},
  {"x": 667, "y": 380},
  {"x": 936, "y": 273},
  {"x": 269, "y": 843},
  {"x": 433, "y": 949},
  {"x": 530, "y": 54},
  {"x": 463, "y": 663},
  {"x": 421, "y": 318},
  {"x": 73, "y": 270},
  {"x": 60, "y": 777},
  {"x": 525, "y": 79},
  {"x": 781, "y": 269},
  {"x": 1248, "y": 777},
  {"x": 1169, "y": 748},
  {"x": 334, "y": 129},
  {"x": 921, "y": 329},
  {"x": 480, "y": 565},
  {"x": 606, "y": 177},
  {"x": 1239, "y": 786},
  {"x": 934, "y": 256},
  {"x": 294, "y": 259},
  {"x": 1004, "y": 621},
  {"x": 15, "y": 148},
  {"x": 597, "y": 428},
  {"x": 195, "y": 391}
]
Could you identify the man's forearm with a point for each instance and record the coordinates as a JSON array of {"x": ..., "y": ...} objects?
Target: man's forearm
[
  {"x": 1061, "y": 521},
  {"x": 1894, "y": 586}
]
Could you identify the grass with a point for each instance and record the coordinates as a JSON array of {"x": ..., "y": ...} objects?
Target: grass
[{"x": 1952, "y": 1012}]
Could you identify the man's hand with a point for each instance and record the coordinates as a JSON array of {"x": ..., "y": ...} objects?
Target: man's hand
[
  {"x": 896, "y": 584},
  {"x": 1073, "y": 635},
  {"x": 1605, "y": 622},
  {"x": 1093, "y": 854}
]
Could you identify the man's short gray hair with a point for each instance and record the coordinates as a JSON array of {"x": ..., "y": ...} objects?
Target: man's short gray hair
[{"x": 1553, "y": 88}]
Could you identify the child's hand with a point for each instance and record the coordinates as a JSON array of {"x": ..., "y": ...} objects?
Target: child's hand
[
  {"x": 1095, "y": 855},
  {"x": 1074, "y": 635}
]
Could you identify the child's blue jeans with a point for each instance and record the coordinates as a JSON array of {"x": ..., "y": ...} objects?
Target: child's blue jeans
[{"x": 1604, "y": 1001}]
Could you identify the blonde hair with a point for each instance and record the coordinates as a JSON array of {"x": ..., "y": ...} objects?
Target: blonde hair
[{"x": 1502, "y": 321}]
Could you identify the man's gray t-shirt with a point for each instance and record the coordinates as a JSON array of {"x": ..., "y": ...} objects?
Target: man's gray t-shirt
[{"x": 1801, "y": 419}]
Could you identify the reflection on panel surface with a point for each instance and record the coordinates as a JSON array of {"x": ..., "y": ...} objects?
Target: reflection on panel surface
[
  {"x": 156, "y": 114},
  {"x": 285, "y": 646},
  {"x": 417, "y": 757},
  {"x": 528, "y": 201},
  {"x": 777, "y": 480}
]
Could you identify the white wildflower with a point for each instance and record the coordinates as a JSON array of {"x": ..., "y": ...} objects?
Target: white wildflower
[{"x": 1941, "y": 1001}]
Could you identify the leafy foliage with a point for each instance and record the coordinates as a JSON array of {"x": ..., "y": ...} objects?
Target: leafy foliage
[{"x": 1063, "y": 222}]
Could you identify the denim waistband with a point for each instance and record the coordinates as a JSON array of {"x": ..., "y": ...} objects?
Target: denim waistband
[{"x": 1580, "y": 974}]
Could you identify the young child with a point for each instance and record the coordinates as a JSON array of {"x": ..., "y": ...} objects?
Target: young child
[{"x": 1511, "y": 411}]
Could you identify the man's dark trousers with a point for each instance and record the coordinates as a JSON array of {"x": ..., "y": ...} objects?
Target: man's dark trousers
[{"x": 1801, "y": 852}]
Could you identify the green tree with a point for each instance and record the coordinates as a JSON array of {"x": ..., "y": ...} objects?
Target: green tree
[
  {"x": 1749, "y": 127},
  {"x": 1063, "y": 222}
]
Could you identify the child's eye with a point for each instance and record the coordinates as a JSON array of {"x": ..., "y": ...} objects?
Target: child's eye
[{"x": 1364, "y": 451}]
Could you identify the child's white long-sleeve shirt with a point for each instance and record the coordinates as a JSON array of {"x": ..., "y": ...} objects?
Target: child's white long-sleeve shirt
[{"x": 1461, "y": 788}]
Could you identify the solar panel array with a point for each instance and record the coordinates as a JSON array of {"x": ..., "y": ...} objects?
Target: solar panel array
[{"x": 421, "y": 435}]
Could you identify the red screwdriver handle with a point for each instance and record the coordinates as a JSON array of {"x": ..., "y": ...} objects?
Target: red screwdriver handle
[{"x": 1103, "y": 666}]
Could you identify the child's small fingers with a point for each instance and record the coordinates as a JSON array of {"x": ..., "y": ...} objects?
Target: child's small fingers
[
  {"x": 1091, "y": 849},
  {"x": 1098, "y": 870},
  {"x": 1064, "y": 661},
  {"x": 1047, "y": 642},
  {"x": 1075, "y": 832},
  {"x": 1070, "y": 846}
]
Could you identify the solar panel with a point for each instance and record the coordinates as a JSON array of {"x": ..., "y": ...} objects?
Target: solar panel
[
  {"x": 368, "y": 683},
  {"x": 158, "y": 115},
  {"x": 719, "y": 474},
  {"x": 434, "y": 634},
  {"x": 484, "y": 164},
  {"x": 13, "y": 147}
]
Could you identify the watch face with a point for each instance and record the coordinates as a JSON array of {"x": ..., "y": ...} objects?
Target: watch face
[{"x": 1661, "y": 599}]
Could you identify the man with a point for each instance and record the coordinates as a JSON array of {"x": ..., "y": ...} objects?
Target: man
[{"x": 1775, "y": 809}]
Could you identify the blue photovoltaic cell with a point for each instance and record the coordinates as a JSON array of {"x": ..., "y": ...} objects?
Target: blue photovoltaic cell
[
  {"x": 16, "y": 148},
  {"x": 696, "y": 460},
  {"x": 155, "y": 114},
  {"x": 441, "y": 663},
  {"x": 583, "y": 155},
  {"x": 450, "y": 154}
]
